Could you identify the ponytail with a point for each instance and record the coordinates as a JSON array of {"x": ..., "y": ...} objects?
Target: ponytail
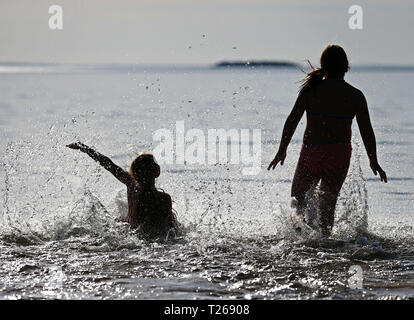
[{"x": 312, "y": 79}]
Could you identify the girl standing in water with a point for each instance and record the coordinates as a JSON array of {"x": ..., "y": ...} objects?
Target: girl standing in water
[
  {"x": 330, "y": 104},
  {"x": 149, "y": 210}
]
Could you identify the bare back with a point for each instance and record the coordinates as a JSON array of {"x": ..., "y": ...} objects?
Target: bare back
[
  {"x": 330, "y": 110},
  {"x": 151, "y": 210}
]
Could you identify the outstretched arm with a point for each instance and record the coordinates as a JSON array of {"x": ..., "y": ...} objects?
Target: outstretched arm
[
  {"x": 289, "y": 129},
  {"x": 368, "y": 137},
  {"x": 104, "y": 161}
]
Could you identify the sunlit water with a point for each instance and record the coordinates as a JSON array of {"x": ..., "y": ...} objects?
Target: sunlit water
[{"x": 59, "y": 238}]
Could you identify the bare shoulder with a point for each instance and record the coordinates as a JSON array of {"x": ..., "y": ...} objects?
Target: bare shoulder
[
  {"x": 304, "y": 94},
  {"x": 355, "y": 92},
  {"x": 357, "y": 98}
]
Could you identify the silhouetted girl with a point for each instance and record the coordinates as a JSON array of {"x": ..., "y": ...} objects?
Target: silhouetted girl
[
  {"x": 149, "y": 210},
  {"x": 330, "y": 104}
]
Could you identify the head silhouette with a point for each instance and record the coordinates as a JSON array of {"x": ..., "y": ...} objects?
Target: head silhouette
[
  {"x": 334, "y": 64},
  {"x": 334, "y": 61},
  {"x": 144, "y": 168}
]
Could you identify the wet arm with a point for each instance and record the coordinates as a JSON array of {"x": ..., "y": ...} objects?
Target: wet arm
[
  {"x": 289, "y": 129},
  {"x": 366, "y": 130},
  {"x": 292, "y": 122},
  {"x": 104, "y": 161},
  {"x": 368, "y": 137}
]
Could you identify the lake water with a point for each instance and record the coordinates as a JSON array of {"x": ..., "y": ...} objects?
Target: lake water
[{"x": 58, "y": 235}]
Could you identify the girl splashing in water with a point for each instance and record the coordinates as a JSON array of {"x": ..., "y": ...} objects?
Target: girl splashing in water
[
  {"x": 330, "y": 104},
  {"x": 149, "y": 210}
]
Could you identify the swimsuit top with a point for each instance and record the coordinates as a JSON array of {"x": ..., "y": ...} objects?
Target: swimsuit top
[
  {"x": 330, "y": 115},
  {"x": 343, "y": 118}
]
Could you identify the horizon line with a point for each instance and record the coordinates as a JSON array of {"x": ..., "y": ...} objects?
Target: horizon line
[
  {"x": 8, "y": 67},
  {"x": 11, "y": 62}
]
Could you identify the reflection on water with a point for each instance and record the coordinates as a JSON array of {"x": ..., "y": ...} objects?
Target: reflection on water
[{"x": 59, "y": 238}]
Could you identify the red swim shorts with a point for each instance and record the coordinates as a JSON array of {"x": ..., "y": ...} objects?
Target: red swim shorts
[{"x": 325, "y": 158}]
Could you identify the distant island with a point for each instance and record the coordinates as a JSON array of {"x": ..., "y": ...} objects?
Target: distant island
[{"x": 256, "y": 64}]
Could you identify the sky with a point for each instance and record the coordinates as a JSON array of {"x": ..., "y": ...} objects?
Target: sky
[{"x": 204, "y": 31}]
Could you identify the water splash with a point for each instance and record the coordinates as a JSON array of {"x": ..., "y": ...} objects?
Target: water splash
[
  {"x": 60, "y": 199},
  {"x": 352, "y": 207}
]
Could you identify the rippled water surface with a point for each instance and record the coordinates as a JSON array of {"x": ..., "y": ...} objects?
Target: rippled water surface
[{"x": 59, "y": 238}]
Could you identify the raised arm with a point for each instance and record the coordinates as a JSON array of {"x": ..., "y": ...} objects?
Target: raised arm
[
  {"x": 368, "y": 137},
  {"x": 104, "y": 161},
  {"x": 289, "y": 129}
]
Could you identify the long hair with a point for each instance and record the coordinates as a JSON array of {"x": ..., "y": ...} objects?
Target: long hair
[{"x": 334, "y": 63}]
